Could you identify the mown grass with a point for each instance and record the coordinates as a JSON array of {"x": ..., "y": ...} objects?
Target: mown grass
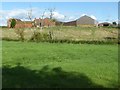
[{"x": 30, "y": 64}]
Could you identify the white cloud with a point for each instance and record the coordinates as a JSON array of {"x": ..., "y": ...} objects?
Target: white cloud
[
  {"x": 23, "y": 14},
  {"x": 58, "y": 16},
  {"x": 71, "y": 17},
  {"x": 92, "y": 16},
  {"x": 83, "y": 14},
  {"x": 17, "y": 13},
  {"x": 36, "y": 13}
]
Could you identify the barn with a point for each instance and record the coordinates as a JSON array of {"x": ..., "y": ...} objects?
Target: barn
[
  {"x": 82, "y": 21},
  {"x": 86, "y": 20},
  {"x": 72, "y": 23}
]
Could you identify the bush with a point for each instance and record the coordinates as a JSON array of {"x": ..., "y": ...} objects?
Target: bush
[
  {"x": 13, "y": 23},
  {"x": 48, "y": 37},
  {"x": 39, "y": 36},
  {"x": 20, "y": 33},
  {"x": 36, "y": 37},
  {"x": 84, "y": 41},
  {"x": 9, "y": 39},
  {"x": 3, "y": 26}
]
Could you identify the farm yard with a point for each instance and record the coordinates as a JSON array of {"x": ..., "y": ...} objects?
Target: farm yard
[
  {"x": 40, "y": 64},
  {"x": 59, "y": 45}
]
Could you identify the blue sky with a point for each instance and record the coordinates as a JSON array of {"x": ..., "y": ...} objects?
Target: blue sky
[{"x": 102, "y": 11}]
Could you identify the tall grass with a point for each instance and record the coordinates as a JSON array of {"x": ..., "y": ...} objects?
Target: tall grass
[{"x": 69, "y": 34}]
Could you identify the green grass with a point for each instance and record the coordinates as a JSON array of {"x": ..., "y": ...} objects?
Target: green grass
[{"x": 29, "y": 64}]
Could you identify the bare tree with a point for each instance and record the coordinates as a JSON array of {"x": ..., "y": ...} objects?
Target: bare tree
[
  {"x": 42, "y": 19},
  {"x": 21, "y": 31},
  {"x": 63, "y": 20},
  {"x": 30, "y": 14},
  {"x": 51, "y": 10}
]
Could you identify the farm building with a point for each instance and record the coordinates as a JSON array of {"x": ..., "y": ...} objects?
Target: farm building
[
  {"x": 86, "y": 20},
  {"x": 82, "y": 21},
  {"x": 46, "y": 22},
  {"x": 105, "y": 24},
  {"x": 71, "y": 23},
  {"x": 18, "y": 23},
  {"x": 58, "y": 23}
]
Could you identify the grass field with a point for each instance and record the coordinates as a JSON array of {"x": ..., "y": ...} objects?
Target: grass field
[{"x": 30, "y": 64}]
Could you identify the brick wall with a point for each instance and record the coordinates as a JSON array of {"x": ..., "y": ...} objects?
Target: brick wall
[
  {"x": 45, "y": 22},
  {"x": 23, "y": 25},
  {"x": 20, "y": 24}
]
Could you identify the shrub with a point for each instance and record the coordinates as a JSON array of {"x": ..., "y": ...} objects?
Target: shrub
[
  {"x": 13, "y": 23},
  {"x": 36, "y": 37},
  {"x": 9, "y": 39},
  {"x": 3, "y": 26},
  {"x": 50, "y": 35},
  {"x": 20, "y": 33},
  {"x": 39, "y": 36}
]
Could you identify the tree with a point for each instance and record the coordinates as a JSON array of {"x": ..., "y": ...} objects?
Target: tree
[
  {"x": 30, "y": 13},
  {"x": 41, "y": 22},
  {"x": 42, "y": 17},
  {"x": 51, "y": 10},
  {"x": 13, "y": 23}
]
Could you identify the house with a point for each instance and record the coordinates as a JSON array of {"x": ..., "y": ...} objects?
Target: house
[
  {"x": 86, "y": 20},
  {"x": 46, "y": 22},
  {"x": 19, "y": 23}
]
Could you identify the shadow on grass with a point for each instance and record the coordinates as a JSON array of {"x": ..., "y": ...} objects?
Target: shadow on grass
[{"x": 21, "y": 77}]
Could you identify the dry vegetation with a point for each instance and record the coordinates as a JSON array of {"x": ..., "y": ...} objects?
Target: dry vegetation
[{"x": 69, "y": 33}]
